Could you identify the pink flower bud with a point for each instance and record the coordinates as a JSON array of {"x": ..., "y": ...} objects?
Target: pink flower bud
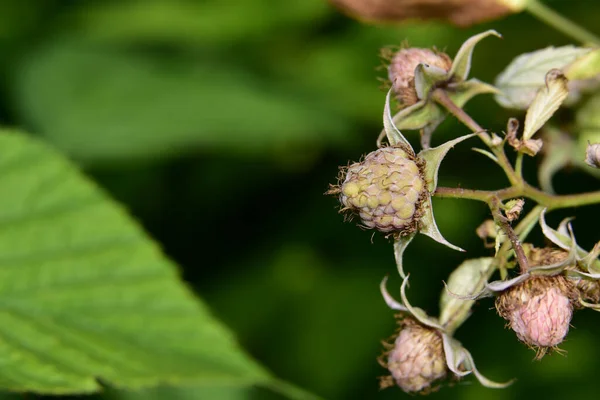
[{"x": 401, "y": 70}]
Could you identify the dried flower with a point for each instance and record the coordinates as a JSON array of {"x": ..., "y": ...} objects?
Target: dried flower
[{"x": 424, "y": 352}]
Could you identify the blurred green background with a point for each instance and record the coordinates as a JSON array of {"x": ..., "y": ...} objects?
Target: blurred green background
[{"x": 220, "y": 124}]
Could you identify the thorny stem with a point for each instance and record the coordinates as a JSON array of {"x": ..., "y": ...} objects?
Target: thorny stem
[
  {"x": 440, "y": 96},
  {"x": 510, "y": 233},
  {"x": 560, "y": 23}
]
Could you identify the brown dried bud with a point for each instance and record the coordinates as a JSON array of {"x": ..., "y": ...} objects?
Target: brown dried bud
[
  {"x": 416, "y": 360},
  {"x": 386, "y": 189},
  {"x": 592, "y": 155},
  {"x": 459, "y": 12},
  {"x": 514, "y": 208},
  {"x": 589, "y": 290},
  {"x": 401, "y": 70},
  {"x": 487, "y": 229},
  {"x": 539, "y": 310}
]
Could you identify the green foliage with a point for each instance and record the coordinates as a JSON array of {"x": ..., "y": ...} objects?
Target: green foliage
[
  {"x": 521, "y": 79},
  {"x": 86, "y": 295},
  {"x": 103, "y": 105},
  {"x": 219, "y": 125}
]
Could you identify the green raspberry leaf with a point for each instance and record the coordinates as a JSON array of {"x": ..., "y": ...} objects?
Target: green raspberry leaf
[
  {"x": 102, "y": 105},
  {"x": 525, "y": 75},
  {"x": 585, "y": 67},
  {"x": 86, "y": 295}
]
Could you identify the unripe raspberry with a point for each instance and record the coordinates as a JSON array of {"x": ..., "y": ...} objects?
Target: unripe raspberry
[
  {"x": 401, "y": 70},
  {"x": 539, "y": 310},
  {"x": 386, "y": 190},
  {"x": 416, "y": 360}
]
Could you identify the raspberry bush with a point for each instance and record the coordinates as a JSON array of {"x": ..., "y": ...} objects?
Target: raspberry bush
[{"x": 541, "y": 284}]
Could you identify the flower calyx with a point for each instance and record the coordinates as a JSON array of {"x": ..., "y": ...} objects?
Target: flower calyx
[
  {"x": 423, "y": 352},
  {"x": 391, "y": 188},
  {"x": 416, "y": 73},
  {"x": 539, "y": 303}
]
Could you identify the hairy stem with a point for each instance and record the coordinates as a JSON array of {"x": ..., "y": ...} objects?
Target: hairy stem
[
  {"x": 560, "y": 23},
  {"x": 519, "y": 165},
  {"x": 522, "y": 229},
  {"x": 525, "y": 190},
  {"x": 510, "y": 233}
]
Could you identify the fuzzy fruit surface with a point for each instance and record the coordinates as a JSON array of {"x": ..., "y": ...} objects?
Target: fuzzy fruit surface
[
  {"x": 401, "y": 70},
  {"x": 539, "y": 310},
  {"x": 385, "y": 189},
  {"x": 417, "y": 359}
]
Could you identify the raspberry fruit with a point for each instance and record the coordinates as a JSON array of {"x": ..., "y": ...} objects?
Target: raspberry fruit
[
  {"x": 416, "y": 359},
  {"x": 386, "y": 190}
]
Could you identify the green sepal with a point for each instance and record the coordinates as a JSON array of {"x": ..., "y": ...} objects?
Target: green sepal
[
  {"x": 428, "y": 227},
  {"x": 418, "y": 116},
  {"x": 400, "y": 244},
  {"x": 461, "y": 65},
  {"x": 588, "y": 261},
  {"x": 394, "y": 136},
  {"x": 469, "y": 278},
  {"x": 433, "y": 158},
  {"x": 404, "y": 306},
  {"x": 418, "y": 313},
  {"x": 426, "y": 77},
  {"x": 460, "y": 93},
  {"x": 486, "y": 153},
  {"x": 460, "y": 361}
]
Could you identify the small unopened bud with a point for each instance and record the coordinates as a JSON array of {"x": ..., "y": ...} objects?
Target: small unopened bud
[
  {"x": 416, "y": 360},
  {"x": 401, "y": 70},
  {"x": 592, "y": 155},
  {"x": 386, "y": 189},
  {"x": 539, "y": 310}
]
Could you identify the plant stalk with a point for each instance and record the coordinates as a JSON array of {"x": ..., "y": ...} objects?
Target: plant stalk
[
  {"x": 440, "y": 96},
  {"x": 560, "y": 23}
]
